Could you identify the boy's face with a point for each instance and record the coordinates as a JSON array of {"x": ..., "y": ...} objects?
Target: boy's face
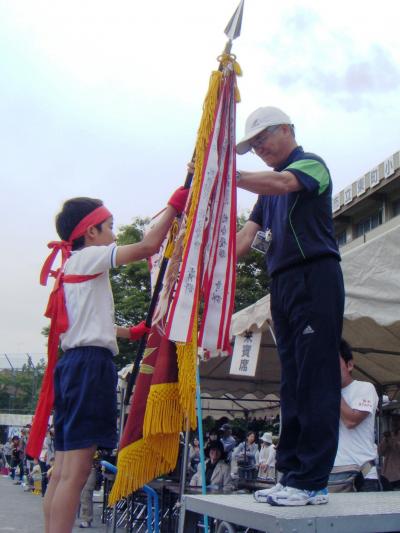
[{"x": 101, "y": 238}]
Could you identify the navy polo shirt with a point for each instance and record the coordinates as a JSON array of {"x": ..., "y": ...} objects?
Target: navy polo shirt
[{"x": 301, "y": 222}]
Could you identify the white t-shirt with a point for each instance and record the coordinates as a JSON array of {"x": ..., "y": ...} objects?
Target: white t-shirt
[
  {"x": 90, "y": 304},
  {"x": 357, "y": 445}
]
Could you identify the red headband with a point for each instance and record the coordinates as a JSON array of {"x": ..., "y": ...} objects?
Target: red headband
[{"x": 99, "y": 215}]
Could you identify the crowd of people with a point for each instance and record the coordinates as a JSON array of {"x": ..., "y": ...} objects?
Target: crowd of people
[
  {"x": 32, "y": 473},
  {"x": 229, "y": 460}
]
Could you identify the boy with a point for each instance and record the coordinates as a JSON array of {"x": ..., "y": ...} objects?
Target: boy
[{"x": 82, "y": 311}]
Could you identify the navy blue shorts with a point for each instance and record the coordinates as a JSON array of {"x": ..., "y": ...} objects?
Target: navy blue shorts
[{"x": 85, "y": 405}]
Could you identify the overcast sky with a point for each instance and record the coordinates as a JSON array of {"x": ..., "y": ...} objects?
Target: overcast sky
[{"x": 103, "y": 99}]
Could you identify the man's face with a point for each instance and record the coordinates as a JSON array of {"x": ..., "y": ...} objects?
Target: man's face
[
  {"x": 273, "y": 145},
  {"x": 345, "y": 371}
]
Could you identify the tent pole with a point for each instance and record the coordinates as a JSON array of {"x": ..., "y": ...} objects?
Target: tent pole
[
  {"x": 201, "y": 440},
  {"x": 184, "y": 462}
]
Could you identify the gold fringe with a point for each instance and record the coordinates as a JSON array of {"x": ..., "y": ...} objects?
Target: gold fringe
[
  {"x": 187, "y": 360},
  {"x": 203, "y": 134},
  {"x": 187, "y": 353},
  {"x": 142, "y": 461},
  {"x": 163, "y": 410}
]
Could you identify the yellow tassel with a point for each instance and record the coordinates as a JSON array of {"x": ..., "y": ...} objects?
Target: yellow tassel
[
  {"x": 237, "y": 68},
  {"x": 187, "y": 381},
  {"x": 163, "y": 410},
  {"x": 203, "y": 134},
  {"x": 142, "y": 461},
  {"x": 187, "y": 353}
]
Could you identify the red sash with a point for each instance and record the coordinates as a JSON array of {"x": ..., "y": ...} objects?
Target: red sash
[{"x": 57, "y": 312}]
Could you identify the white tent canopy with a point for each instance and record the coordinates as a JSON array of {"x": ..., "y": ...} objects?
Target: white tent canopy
[{"x": 372, "y": 311}]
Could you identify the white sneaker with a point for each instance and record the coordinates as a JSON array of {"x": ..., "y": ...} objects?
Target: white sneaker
[
  {"x": 289, "y": 496},
  {"x": 262, "y": 495}
]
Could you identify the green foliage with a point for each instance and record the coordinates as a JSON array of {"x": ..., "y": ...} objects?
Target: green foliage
[
  {"x": 252, "y": 280},
  {"x": 131, "y": 289},
  {"x": 19, "y": 389}
]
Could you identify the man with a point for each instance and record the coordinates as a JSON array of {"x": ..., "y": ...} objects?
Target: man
[
  {"x": 228, "y": 441},
  {"x": 294, "y": 210},
  {"x": 357, "y": 425}
]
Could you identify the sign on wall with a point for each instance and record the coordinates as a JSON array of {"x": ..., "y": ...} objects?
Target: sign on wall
[
  {"x": 388, "y": 167},
  {"x": 336, "y": 203},
  {"x": 348, "y": 194},
  {"x": 361, "y": 186},
  {"x": 374, "y": 177},
  {"x": 245, "y": 354}
]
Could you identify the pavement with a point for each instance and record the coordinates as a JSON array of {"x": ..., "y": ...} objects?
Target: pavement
[{"x": 22, "y": 511}]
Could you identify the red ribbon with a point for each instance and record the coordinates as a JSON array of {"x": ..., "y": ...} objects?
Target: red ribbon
[{"x": 57, "y": 312}]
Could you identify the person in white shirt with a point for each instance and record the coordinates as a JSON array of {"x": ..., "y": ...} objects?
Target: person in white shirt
[
  {"x": 357, "y": 450},
  {"x": 267, "y": 458},
  {"x": 84, "y": 380}
]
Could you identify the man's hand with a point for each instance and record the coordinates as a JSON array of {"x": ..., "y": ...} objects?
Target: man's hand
[{"x": 245, "y": 237}]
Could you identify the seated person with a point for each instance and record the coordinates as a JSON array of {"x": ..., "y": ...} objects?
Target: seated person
[
  {"x": 267, "y": 458},
  {"x": 357, "y": 450},
  {"x": 194, "y": 455},
  {"x": 212, "y": 437},
  {"x": 229, "y": 442},
  {"x": 218, "y": 472},
  {"x": 246, "y": 457}
]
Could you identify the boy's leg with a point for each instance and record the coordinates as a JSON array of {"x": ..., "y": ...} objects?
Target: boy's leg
[{"x": 76, "y": 465}]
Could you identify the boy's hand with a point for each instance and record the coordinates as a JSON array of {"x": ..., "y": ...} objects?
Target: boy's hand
[
  {"x": 178, "y": 199},
  {"x": 137, "y": 332}
]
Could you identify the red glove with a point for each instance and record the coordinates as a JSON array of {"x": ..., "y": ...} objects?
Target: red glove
[
  {"x": 137, "y": 332},
  {"x": 178, "y": 199}
]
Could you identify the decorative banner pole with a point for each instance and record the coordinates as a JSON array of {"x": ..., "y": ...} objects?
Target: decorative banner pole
[{"x": 200, "y": 263}]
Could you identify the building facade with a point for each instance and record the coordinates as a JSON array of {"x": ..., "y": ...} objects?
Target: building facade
[{"x": 369, "y": 206}]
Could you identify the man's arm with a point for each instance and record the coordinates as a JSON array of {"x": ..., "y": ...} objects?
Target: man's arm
[
  {"x": 269, "y": 182},
  {"x": 245, "y": 237},
  {"x": 351, "y": 418}
]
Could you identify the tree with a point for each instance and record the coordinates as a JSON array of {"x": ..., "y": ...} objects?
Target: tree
[
  {"x": 131, "y": 286},
  {"x": 131, "y": 289},
  {"x": 252, "y": 280},
  {"x": 19, "y": 389}
]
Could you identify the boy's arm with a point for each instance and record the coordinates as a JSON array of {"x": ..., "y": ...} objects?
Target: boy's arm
[
  {"x": 133, "y": 333},
  {"x": 153, "y": 239}
]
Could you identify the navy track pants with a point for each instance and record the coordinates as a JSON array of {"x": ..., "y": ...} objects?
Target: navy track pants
[{"x": 307, "y": 305}]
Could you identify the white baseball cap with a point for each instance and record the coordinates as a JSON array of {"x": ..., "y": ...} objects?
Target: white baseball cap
[
  {"x": 267, "y": 437},
  {"x": 259, "y": 120}
]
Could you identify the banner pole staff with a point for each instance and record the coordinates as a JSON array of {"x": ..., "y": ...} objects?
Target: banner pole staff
[{"x": 232, "y": 31}]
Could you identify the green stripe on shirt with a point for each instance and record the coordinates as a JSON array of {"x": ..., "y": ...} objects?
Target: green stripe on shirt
[{"x": 314, "y": 169}]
